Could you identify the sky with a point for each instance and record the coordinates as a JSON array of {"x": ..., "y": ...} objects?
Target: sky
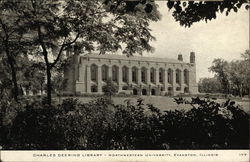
[{"x": 225, "y": 37}]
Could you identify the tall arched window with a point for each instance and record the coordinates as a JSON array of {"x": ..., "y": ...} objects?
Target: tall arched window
[
  {"x": 115, "y": 73},
  {"x": 170, "y": 76},
  {"x": 93, "y": 72},
  {"x": 105, "y": 73},
  {"x": 143, "y": 74},
  {"x": 152, "y": 75},
  {"x": 161, "y": 75},
  {"x": 186, "y": 76},
  {"x": 178, "y": 76},
  {"x": 125, "y": 74},
  {"x": 93, "y": 88},
  {"x": 134, "y": 74}
]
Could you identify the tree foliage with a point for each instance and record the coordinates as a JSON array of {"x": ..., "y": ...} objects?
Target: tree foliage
[
  {"x": 234, "y": 75},
  {"x": 97, "y": 125},
  {"x": 185, "y": 12},
  {"x": 191, "y": 12},
  {"x": 110, "y": 88},
  {"x": 210, "y": 85},
  {"x": 12, "y": 40},
  {"x": 221, "y": 67}
]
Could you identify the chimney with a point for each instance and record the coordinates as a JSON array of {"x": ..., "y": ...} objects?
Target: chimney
[
  {"x": 180, "y": 58},
  {"x": 192, "y": 57}
]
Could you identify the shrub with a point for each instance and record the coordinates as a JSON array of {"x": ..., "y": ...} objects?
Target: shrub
[{"x": 101, "y": 125}]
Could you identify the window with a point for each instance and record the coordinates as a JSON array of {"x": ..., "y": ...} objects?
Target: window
[
  {"x": 143, "y": 75},
  {"x": 125, "y": 88},
  {"x": 152, "y": 75},
  {"x": 169, "y": 76},
  {"x": 115, "y": 73},
  {"x": 186, "y": 90},
  {"x": 153, "y": 92},
  {"x": 144, "y": 92},
  {"x": 104, "y": 73},
  {"x": 185, "y": 76},
  {"x": 93, "y": 72},
  {"x": 135, "y": 92},
  {"x": 134, "y": 75},
  {"x": 178, "y": 76},
  {"x": 93, "y": 89},
  {"x": 161, "y": 74},
  {"x": 125, "y": 74}
]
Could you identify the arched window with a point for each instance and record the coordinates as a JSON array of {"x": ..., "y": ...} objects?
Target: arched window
[
  {"x": 161, "y": 75},
  {"x": 93, "y": 88},
  {"x": 93, "y": 72},
  {"x": 170, "y": 91},
  {"x": 134, "y": 74},
  {"x": 124, "y": 74},
  {"x": 152, "y": 75},
  {"x": 178, "y": 76},
  {"x": 144, "y": 92},
  {"x": 153, "y": 92},
  {"x": 135, "y": 92},
  {"x": 170, "y": 75},
  {"x": 125, "y": 88},
  {"x": 104, "y": 73},
  {"x": 186, "y": 76},
  {"x": 178, "y": 88},
  {"x": 143, "y": 74},
  {"x": 115, "y": 73}
]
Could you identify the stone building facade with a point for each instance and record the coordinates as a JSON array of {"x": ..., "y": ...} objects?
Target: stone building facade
[{"x": 133, "y": 75}]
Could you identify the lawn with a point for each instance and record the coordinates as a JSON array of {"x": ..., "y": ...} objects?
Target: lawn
[{"x": 162, "y": 102}]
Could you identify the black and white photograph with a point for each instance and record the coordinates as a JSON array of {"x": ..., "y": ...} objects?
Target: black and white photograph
[{"x": 124, "y": 75}]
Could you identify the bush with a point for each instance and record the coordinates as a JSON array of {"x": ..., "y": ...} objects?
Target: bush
[{"x": 101, "y": 125}]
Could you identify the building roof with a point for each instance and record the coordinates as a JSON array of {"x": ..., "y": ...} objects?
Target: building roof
[{"x": 132, "y": 58}]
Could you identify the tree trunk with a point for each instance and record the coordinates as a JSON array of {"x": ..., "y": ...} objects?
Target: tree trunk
[
  {"x": 13, "y": 72},
  {"x": 241, "y": 90},
  {"x": 48, "y": 84},
  {"x": 41, "y": 89},
  {"x": 14, "y": 82},
  {"x": 59, "y": 97}
]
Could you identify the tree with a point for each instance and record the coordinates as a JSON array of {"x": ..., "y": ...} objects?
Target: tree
[
  {"x": 59, "y": 83},
  {"x": 221, "y": 69},
  {"x": 5, "y": 80},
  {"x": 32, "y": 76},
  {"x": 246, "y": 66},
  {"x": 12, "y": 40},
  {"x": 187, "y": 12},
  {"x": 237, "y": 76},
  {"x": 59, "y": 24},
  {"x": 210, "y": 85},
  {"x": 191, "y": 12},
  {"x": 110, "y": 88},
  {"x": 234, "y": 75}
]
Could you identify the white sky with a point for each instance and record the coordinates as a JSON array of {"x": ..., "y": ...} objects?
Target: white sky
[{"x": 225, "y": 37}]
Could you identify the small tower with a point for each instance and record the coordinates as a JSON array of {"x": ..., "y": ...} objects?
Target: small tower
[
  {"x": 180, "y": 58},
  {"x": 192, "y": 57}
]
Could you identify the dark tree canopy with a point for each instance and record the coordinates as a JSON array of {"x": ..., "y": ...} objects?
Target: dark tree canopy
[
  {"x": 191, "y": 12},
  {"x": 185, "y": 12}
]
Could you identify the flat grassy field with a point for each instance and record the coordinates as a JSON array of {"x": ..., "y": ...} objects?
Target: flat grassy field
[{"x": 162, "y": 102}]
